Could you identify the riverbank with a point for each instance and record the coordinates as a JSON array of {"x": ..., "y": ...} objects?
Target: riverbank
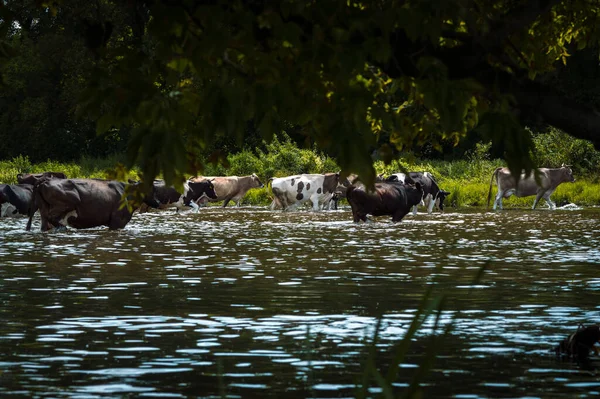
[{"x": 468, "y": 181}]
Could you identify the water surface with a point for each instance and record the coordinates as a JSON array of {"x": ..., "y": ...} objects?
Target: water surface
[{"x": 255, "y": 303}]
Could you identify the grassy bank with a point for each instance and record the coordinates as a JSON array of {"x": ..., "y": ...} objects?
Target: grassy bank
[{"x": 468, "y": 181}]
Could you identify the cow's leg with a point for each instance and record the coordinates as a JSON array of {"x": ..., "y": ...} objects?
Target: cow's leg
[
  {"x": 398, "y": 215},
  {"x": 195, "y": 207},
  {"x": 498, "y": 200},
  {"x": 430, "y": 203},
  {"x": 415, "y": 209},
  {"x": 550, "y": 203},
  {"x": 538, "y": 196},
  {"x": 315, "y": 203},
  {"x": 226, "y": 201}
]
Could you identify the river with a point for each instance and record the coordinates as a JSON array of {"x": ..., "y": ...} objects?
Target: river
[{"x": 248, "y": 302}]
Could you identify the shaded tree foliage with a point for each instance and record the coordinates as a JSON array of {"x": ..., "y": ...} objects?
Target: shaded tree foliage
[{"x": 184, "y": 76}]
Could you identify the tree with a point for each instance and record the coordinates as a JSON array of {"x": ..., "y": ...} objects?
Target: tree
[{"x": 347, "y": 73}]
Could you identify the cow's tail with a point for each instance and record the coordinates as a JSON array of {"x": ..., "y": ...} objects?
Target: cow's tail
[{"x": 494, "y": 175}]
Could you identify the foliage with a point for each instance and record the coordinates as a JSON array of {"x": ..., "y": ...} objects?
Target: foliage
[
  {"x": 554, "y": 148},
  {"x": 167, "y": 79},
  {"x": 85, "y": 168}
]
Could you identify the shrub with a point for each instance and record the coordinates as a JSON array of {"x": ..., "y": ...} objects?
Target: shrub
[{"x": 554, "y": 148}]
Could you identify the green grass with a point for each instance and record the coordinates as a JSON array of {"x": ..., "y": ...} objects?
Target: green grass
[
  {"x": 467, "y": 181},
  {"x": 85, "y": 168}
]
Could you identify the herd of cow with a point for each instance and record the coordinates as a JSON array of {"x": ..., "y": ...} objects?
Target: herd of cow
[{"x": 85, "y": 203}]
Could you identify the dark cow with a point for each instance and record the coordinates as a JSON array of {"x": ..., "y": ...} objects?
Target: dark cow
[
  {"x": 392, "y": 198},
  {"x": 549, "y": 180},
  {"x": 292, "y": 191},
  {"x": 33, "y": 178},
  {"x": 82, "y": 203},
  {"x": 168, "y": 196},
  {"x": 433, "y": 195},
  {"x": 578, "y": 345},
  {"x": 231, "y": 187},
  {"x": 15, "y": 199}
]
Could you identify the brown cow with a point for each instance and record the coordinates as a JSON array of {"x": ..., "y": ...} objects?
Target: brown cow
[
  {"x": 33, "y": 178},
  {"x": 230, "y": 187},
  {"x": 549, "y": 179},
  {"x": 81, "y": 203}
]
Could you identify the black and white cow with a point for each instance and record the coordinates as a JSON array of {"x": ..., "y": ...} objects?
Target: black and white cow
[
  {"x": 15, "y": 199},
  {"x": 168, "y": 196},
  {"x": 291, "y": 191},
  {"x": 433, "y": 195},
  {"x": 391, "y": 198}
]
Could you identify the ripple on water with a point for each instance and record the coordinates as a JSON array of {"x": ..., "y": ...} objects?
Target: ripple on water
[{"x": 268, "y": 299}]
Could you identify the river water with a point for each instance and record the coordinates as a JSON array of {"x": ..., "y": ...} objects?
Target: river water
[{"x": 250, "y": 302}]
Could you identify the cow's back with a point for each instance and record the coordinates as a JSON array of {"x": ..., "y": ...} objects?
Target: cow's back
[{"x": 96, "y": 202}]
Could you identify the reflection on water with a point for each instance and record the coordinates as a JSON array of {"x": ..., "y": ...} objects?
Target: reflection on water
[{"x": 250, "y": 302}]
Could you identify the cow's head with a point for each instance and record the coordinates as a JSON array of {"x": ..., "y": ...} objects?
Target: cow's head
[
  {"x": 440, "y": 199},
  {"x": 256, "y": 181},
  {"x": 568, "y": 173}
]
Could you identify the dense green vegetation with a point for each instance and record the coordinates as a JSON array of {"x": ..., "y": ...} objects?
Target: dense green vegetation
[
  {"x": 467, "y": 179},
  {"x": 171, "y": 83}
]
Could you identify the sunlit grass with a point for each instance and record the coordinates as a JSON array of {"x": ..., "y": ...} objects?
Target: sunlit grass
[{"x": 467, "y": 181}]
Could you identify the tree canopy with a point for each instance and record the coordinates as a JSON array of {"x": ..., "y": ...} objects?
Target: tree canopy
[{"x": 351, "y": 76}]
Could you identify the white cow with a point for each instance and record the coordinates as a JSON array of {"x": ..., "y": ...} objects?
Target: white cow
[
  {"x": 549, "y": 179},
  {"x": 291, "y": 191}
]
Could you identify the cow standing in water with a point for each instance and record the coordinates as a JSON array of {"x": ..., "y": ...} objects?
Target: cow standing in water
[
  {"x": 549, "y": 180},
  {"x": 433, "y": 195},
  {"x": 15, "y": 199},
  {"x": 81, "y": 203},
  {"x": 169, "y": 197},
  {"x": 395, "y": 199},
  {"x": 292, "y": 191},
  {"x": 230, "y": 188}
]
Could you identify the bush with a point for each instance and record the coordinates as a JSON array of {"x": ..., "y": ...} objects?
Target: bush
[{"x": 554, "y": 148}]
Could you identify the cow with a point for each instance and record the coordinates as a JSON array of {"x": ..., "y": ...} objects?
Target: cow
[
  {"x": 292, "y": 191},
  {"x": 168, "y": 196},
  {"x": 579, "y": 344},
  {"x": 340, "y": 190},
  {"x": 230, "y": 187},
  {"x": 548, "y": 179},
  {"x": 433, "y": 195},
  {"x": 393, "y": 198},
  {"x": 15, "y": 199},
  {"x": 82, "y": 203},
  {"x": 33, "y": 178}
]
